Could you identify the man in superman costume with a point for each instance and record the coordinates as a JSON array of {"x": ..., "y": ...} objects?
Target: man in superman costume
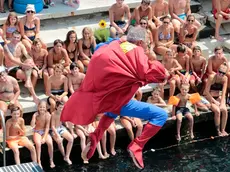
[{"x": 114, "y": 74}]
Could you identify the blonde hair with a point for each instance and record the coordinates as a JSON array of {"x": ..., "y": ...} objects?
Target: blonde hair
[
  {"x": 11, "y": 14},
  {"x": 90, "y": 32}
]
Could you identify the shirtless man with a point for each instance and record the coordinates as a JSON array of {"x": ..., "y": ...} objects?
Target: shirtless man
[
  {"x": 9, "y": 90},
  {"x": 75, "y": 78},
  {"x": 39, "y": 56},
  {"x": 15, "y": 53},
  {"x": 183, "y": 59},
  {"x": 160, "y": 9},
  {"x": 41, "y": 125},
  {"x": 220, "y": 11},
  {"x": 57, "y": 87},
  {"x": 197, "y": 65},
  {"x": 59, "y": 132},
  {"x": 58, "y": 55},
  {"x": 117, "y": 13},
  {"x": 172, "y": 66},
  {"x": 179, "y": 10},
  {"x": 144, "y": 10}
]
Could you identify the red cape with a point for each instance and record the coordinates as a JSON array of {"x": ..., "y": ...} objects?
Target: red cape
[{"x": 114, "y": 74}]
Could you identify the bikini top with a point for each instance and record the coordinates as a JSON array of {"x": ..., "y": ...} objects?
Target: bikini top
[
  {"x": 29, "y": 29},
  {"x": 84, "y": 47},
  {"x": 216, "y": 86},
  {"x": 11, "y": 29},
  {"x": 189, "y": 36},
  {"x": 164, "y": 37}
]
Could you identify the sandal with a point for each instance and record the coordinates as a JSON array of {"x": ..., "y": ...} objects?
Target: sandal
[
  {"x": 11, "y": 10},
  {"x": 3, "y": 11}
]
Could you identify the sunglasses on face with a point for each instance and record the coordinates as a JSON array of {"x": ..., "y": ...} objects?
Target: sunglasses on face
[
  {"x": 190, "y": 20},
  {"x": 222, "y": 73},
  {"x": 142, "y": 23},
  {"x": 30, "y": 11},
  {"x": 166, "y": 22}
]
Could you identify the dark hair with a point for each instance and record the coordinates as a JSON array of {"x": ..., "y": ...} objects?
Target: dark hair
[
  {"x": 16, "y": 32},
  {"x": 166, "y": 17},
  {"x": 58, "y": 41},
  {"x": 73, "y": 65},
  {"x": 13, "y": 108},
  {"x": 181, "y": 48},
  {"x": 59, "y": 103},
  {"x": 67, "y": 40},
  {"x": 196, "y": 48},
  {"x": 218, "y": 48},
  {"x": 145, "y": 2}
]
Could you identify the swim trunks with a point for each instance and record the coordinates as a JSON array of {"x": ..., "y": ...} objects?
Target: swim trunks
[{"x": 225, "y": 11}]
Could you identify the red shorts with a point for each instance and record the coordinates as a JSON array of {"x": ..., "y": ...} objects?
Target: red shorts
[
  {"x": 225, "y": 11},
  {"x": 194, "y": 78}
]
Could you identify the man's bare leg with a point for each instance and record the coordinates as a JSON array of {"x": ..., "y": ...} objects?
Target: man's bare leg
[{"x": 217, "y": 29}]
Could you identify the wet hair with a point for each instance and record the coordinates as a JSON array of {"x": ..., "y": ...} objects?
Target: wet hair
[
  {"x": 145, "y": 2},
  {"x": 16, "y": 32},
  {"x": 181, "y": 48},
  {"x": 58, "y": 41},
  {"x": 156, "y": 89},
  {"x": 13, "y": 108},
  {"x": 90, "y": 32},
  {"x": 73, "y": 65},
  {"x": 190, "y": 15},
  {"x": 136, "y": 34},
  {"x": 218, "y": 48},
  {"x": 59, "y": 103},
  {"x": 166, "y": 17},
  {"x": 67, "y": 40},
  {"x": 59, "y": 66},
  {"x": 36, "y": 41},
  {"x": 196, "y": 48},
  {"x": 11, "y": 14}
]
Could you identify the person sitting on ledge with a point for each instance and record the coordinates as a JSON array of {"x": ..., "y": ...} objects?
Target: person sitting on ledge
[
  {"x": 57, "y": 87},
  {"x": 9, "y": 91},
  {"x": 116, "y": 15},
  {"x": 215, "y": 93},
  {"x": 181, "y": 110},
  {"x": 58, "y": 55},
  {"x": 59, "y": 132},
  {"x": 156, "y": 98},
  {"x": 41, "y": 126},
  {"x": 15, "y": 134},
  {"x": 220, "y": 9}
]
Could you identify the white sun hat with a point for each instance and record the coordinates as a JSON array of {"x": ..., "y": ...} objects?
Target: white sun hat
[{"x": 30, "y": 7}]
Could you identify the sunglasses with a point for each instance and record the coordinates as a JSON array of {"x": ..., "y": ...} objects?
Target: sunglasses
[
  {"x": 30, "y": 11},
  {"x": 143, "y": 23},
  {"x": 191, "y": 20},
  {"x": 166, "y": 22},
  {"x": 220, "y": 72}
]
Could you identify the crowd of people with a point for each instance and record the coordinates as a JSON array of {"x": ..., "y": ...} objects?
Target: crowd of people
[{"x": 24, "y": 56}]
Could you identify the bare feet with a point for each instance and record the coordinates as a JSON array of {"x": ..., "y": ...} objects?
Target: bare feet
[
  {"x": 219, "y": 133},
  {"x": 224, "y": 133},
  {"x": 39, "y": 163},
  {"x": 106, "y": 155},
  {"x": 36, "y": 100},
  {"x": 113, "y": 152},
  {"x": 102, "y": 157},
  {"x": 68, "y": 160},
  {"x": 85, "y": 152},
  {"x": 178, "y": 138},
  {"x": 52, "y": 165},
  {"x": 86, "y": 162},
  {"x": 77, "y": 1},
  {"x": 191, "y": 135},
  {"x": 28, "y": 84}
]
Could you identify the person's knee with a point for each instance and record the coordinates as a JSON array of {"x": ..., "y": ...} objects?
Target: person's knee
[
  {"x": 219, "y": 17},
  {"x": 35, "y": 74}
]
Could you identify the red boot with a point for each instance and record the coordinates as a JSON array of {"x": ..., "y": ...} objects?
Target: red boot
[
  {"x": 96, "y": 136},
  {"x": 136, "y": 146}
]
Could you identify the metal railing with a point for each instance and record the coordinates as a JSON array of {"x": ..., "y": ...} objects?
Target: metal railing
[{"x": 4, "y": 137}]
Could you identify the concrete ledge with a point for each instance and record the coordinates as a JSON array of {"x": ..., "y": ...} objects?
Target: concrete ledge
[{"x": 86, "y": 7}]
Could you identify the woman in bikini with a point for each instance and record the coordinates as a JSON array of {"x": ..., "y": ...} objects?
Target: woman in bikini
[
  {"x": 164, "y": 37},
  {"x": 215, "y": 92},
  {"x": 30, "y": 27},
  {"x": 71, "y": 46},
  {"x": 11, "y": 25},
  {"x": 56, "y": 55},
  {"x": 188, "y": 32},
  {"x": 86, "y": 45}
]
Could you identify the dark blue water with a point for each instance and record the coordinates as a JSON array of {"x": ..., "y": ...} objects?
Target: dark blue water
[{"x": 205, "y": 155}]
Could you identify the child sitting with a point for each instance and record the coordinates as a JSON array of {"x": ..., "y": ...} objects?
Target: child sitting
[
  {"x": 15, "y": 135},
  {"x": 156, "y": 98},
  {"x": 60, "y": 131},
  {"x": 181, "y": 110},
  {"x": 41, "y": 124}
]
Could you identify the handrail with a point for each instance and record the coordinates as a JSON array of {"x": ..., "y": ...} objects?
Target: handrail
[{"x": 4, "y": 136}]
